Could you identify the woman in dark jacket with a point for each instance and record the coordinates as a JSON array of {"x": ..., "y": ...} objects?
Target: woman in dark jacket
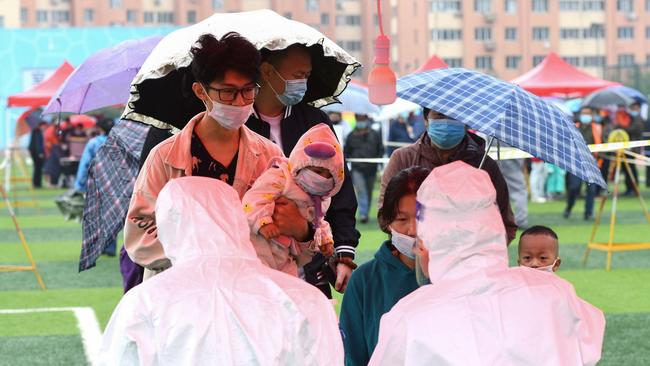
[{"x": 380, "y": 283}]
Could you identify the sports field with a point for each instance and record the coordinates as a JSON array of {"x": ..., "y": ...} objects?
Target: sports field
[{"x": 46, "y": 327}]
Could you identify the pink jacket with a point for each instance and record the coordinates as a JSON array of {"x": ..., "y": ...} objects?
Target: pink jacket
[{"x": 172, "y": 159}]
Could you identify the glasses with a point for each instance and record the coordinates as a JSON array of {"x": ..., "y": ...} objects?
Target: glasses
[{"x": 230, "y": 94}]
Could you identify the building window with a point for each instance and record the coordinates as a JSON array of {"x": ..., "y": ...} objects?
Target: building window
[
  {"x": 446, "y": 34},
  {"x": 191, "y": 17},
  {"x": 2, "y": 21},
  {"x": 325, "y": 19},
  {"x": 131, "y": 16},
  {"x": 538, "y": 60},
  {"x": 593, "y": 61},
  {"x": 483, "y": 6},
  {"x": 148, "y": 17},
  {"x": 217, "y": 4},
  {"x": 453, "y": 62},
  {"x": 60, "y": 16},
  {"x": 573, "y": 60},
  {"x": 483, "y": 62},
  {"x": 593, "y": 5},
  {"x": 569, "y": 5},
  {"x": 350, "y": 45},
  {"x": 348, "y": 20},
  {"x": 510, "y": 6},
  {"x": 311, "y": 5},
  {"x": 540, "y": 6},
  {"x": 625, "y": 32},
  {"x": 596, "y": 31},
  {"x": 625, "y": 6},
  {"x": 41, "y": 16},
  {"x": 89, "y": 15},
  {"x": 626, "y": 59},
  {"x": 114, "y": 4},
  {"x": 511, "y": 34},
  {"x": 483, "y": 34},
  {"x": 647, "y": 5},
  {"x": 445, "y": 6},
  {"x": 512, "y": 62},
  {"x": 165, "y": 17},
  {"x": 647, "y": 32},
  {"x": 540, "y": 33},
  {"x": 570, "y": 33},
  {"x": 647, "y": 60},
  {"x": 23, "y": 15}
]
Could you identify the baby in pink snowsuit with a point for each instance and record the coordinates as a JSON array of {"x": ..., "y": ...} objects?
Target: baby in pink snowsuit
[{"x": 310, "y": 177}]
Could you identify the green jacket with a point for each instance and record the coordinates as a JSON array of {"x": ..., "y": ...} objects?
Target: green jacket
[{"x": 372, "y": 291}]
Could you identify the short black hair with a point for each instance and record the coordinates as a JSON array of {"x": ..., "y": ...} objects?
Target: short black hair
[
  {"x": 405, "y": 182},
  {"x": 211, "y": 58},
  {"x": 276, "y": 57},
  {"x": 539, "y": 230}
]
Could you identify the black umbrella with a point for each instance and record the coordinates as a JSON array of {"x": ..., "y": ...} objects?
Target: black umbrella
[{"x": 161, "y": 93}]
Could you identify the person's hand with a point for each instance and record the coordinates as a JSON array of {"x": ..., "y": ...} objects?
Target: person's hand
[
  {"x": 289, "y": 221},
  {"x": 344, "y": 269},
  {"x": 327, "y": 249},
  {"x": 269, "y": 231}
]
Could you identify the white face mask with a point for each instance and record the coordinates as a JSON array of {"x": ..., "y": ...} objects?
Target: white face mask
[
  {"x": 403, "y": 243},
  {"x": 548, "y": 268},
  {"x": 230, "y": 117}
]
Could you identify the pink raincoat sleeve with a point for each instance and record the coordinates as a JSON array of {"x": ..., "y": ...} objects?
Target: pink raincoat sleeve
[
  {"x": 590, "y": 328},
  {"x": 259, "y": 201},
  {"x": 140, "y": 231}
]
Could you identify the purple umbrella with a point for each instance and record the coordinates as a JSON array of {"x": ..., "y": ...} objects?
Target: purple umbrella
[{"x": 104, "y": 79}]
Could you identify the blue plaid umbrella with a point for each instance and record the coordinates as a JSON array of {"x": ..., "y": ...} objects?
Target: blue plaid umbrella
[{"x": 506, "y": 112}]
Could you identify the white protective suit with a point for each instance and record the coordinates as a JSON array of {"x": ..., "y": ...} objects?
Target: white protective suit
[
  {"x": 217, "y": 304},
  {"x": 477, "y": 311}
]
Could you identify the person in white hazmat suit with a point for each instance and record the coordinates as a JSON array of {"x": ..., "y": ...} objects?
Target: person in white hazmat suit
[
  {"x": 477, "y": 311},
  {"x": 217, "y": 304}
]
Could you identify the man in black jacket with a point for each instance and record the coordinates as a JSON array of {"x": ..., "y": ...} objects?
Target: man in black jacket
[
  {"x": 37, "y": 152},
  {"x": 364, "y": 142},
  {"x": 280, "y": 116}
]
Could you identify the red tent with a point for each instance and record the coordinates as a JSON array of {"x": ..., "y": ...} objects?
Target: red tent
[
  {"x": 556, "y": 77},
  {"x": 433, "y": 63},
  {"x": 41, "y": 93}
]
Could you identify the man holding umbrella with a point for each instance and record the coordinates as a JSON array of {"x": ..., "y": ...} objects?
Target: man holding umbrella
[{"x": 280, "y": 115}]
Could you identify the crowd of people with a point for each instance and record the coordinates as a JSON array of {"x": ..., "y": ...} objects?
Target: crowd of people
[{"x": 243, "y": 220}]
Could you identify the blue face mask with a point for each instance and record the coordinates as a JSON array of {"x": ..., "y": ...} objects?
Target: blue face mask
[
  {"x": 445, "y": 134},
  {"x": 585, "y": 119},
  {"x": 362, "y": 124},
  {"x": 633, "y": 114},
  {"x": 294, "y": 90},
  {"x": 598, "y": 118}
]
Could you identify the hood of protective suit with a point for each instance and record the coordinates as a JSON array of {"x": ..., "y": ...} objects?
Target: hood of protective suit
[
  {"x": 217, "y": 304},
  {"x": 477, "y": 311},
  {"x": 459, "y": 222},
  {"x": 319, "y": 147},
  {"x": 196, "y": 219}
]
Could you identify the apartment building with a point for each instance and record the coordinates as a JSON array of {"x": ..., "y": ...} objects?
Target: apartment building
[{"x": 502, "y": 37}]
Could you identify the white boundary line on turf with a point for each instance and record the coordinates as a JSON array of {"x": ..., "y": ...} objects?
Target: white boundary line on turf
[{"x": 91, "y": 335}]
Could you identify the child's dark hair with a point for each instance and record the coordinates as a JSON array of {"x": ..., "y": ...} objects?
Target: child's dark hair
[
  {"x": 405, "y": 182},
  {"x": 539, "y": 230},
  {"x": 211, "y": 57}
]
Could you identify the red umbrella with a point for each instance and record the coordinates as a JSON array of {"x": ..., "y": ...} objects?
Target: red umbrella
[{"x": 86, "y": 121}]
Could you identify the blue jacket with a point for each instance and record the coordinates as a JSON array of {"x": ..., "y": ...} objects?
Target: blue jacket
[
  {"x": 372, "y": 291},
  {"x": 86, "y": 158}
]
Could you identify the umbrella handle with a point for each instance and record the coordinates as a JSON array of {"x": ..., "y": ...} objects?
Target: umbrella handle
[{"x": 487, "y": 149}]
